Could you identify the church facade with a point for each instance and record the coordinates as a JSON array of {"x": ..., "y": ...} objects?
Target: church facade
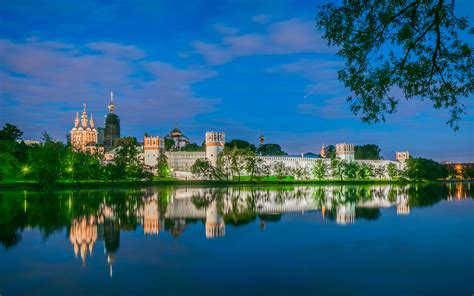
[{"x": 84, "y": 133}]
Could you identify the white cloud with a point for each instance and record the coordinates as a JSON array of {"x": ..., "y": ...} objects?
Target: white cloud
[{"x": 281, "y": 38}]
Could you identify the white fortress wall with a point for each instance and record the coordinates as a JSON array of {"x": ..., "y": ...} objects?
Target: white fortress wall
[{"x": 180, "y": 163}]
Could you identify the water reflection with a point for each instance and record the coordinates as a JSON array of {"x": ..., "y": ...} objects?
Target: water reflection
[{"x": 92, "y": 216}]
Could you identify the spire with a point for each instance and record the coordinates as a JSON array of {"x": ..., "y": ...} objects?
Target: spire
[
  {"x": 84, "y": 116},
  {"x": 323, "y": 151},
  {"x": 76, "y": 120},
  {"x": 91, "y": 121},
  {"x": 111, "y": 104}
]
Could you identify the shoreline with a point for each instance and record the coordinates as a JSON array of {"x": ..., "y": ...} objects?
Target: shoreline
[{"x": 212, "y": 183}]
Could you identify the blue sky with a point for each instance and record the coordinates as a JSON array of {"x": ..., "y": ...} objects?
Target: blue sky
[{"x": 243, "y": 67}]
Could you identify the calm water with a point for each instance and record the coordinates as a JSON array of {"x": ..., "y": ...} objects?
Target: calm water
[{"x": 328, "y": 240}]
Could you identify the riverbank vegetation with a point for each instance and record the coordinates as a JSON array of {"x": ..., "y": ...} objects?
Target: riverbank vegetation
[{"x": 51, "y": 162}]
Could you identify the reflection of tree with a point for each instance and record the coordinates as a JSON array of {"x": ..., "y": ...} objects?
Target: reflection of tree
[
  {"x": 123, "y": 210},
  {"x": 367, "y": 213}
]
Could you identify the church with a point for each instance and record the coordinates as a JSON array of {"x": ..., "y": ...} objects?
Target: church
[
  {"x": 83, "y": 134},
  {"x": 85, "y": 137}
]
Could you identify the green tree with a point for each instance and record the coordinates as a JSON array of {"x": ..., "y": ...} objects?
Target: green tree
[
  {"x": 163, "y": 168},
  {"x": 379, "y": 171},
  {"x": 337, "y": 168},
  {"x": 350, "y": 169},
  {"x": 365, "y": 170},
  {"x": 193, "y": 147},
  {"x": 418, "y": 169},
  {"x": 241, "y": 144},
  {"x": 204, "y": 168},
  {"x": 320, "y": 169},
  {"x": 270, "y": 149},
  {"x": 280, "y": 170},
  {"x": 330, "y": 151},
  {"x": 169, "y": 144},
  {"x": 392, "y": 171},
  {"x": 368, "y": 151},
  {"x": 126, "y": 164},
  {"x": 412, "y": 46},
  {"x": 252, "y": 164},
  {"x": 47, "y": 162},
  {"x": 9, "y": 167},
  {"x": 10, "y": 132}
]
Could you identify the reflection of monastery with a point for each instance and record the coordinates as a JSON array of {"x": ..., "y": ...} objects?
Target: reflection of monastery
[{"x": 217, "y": 208}]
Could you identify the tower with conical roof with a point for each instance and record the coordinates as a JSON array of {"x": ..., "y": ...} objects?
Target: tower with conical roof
[{"x": 112, "y": 125}]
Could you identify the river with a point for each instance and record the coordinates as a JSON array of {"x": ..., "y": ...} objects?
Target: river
[{"x": 280, "y": 240}]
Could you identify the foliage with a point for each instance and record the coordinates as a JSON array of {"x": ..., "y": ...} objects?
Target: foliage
[
  {"x": 337, "y": 168},
  {"x": 411, "y": 46},
  {"x": 393, "y": 171},
  {"x": 280, "y": 170},
  {"x": 379, "y": 170},
  {"x": 368, "y": 151},
  {"x": 163, "y": 168},
  {"x": 232, "y": 160},
  {"x": 350, "y": 169},
  {"x": 270, "y": 149},
  {"x": 47, "y": 162},
  {"x": 193, "y": 147},
  {"x": 204, "y": 168},
  {"x": 330, "y": 151},
  {"x": 126, "y": 163},
  {"x": 320, "y": 169},
  {"x": 418, "y": 169},
  {"x": 240, "y": 144},
  {"x": 10, "y": 132},
  {"x": 365, "y": 171},
  {"x": 169, "y": 144}
]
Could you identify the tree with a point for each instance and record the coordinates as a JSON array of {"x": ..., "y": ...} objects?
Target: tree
[
  {"x": 270, "y": 149},
  {"x": 319, "y": 169},
  {"x": 163, "y": 168},
  {"x": 365, "y": 170},
  {"x": 379, "y": 171},
  {"x": 411, "y": 46},
  {"x": 300, "y": 173},
  {"x": 280, "y": 170},
  {"x": 368, "y": 151},
  {"x": 9, "y": 166},
  {"x": 204, "y": 168},
  {"x": 392, "y": 171},
  {"x": 255, "y": 166},
  {"x": 330, "y": 151},
  {"x": 337, "y": 168},
  {"x": 241, "y": 144},
  {"x": 350, "y": 169},
  {"x": 193, "y": 147},
  {"x": 126, "y": 163},
  {"x": 418, "y": 169},
  {"x": 10, "y": 132},
  {"x": 169, "y": 144},
  {"x": 232, "y": 160},
  {"x": 47, "y": 161}
]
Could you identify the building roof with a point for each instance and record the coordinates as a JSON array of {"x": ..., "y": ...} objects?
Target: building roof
[{"x": 176, "y": 132}]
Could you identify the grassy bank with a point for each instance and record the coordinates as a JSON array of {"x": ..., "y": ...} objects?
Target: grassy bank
[{"x": 175, "y": 182}]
